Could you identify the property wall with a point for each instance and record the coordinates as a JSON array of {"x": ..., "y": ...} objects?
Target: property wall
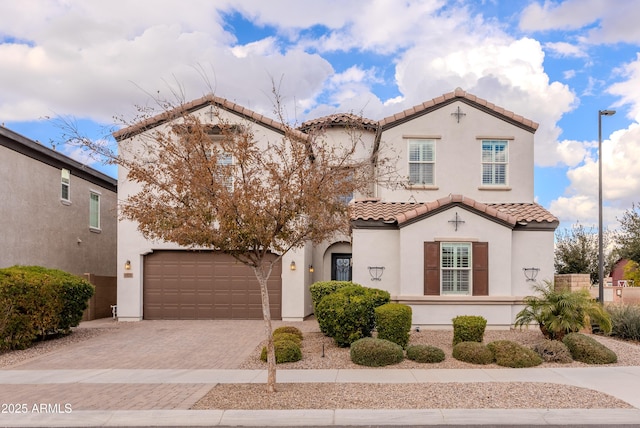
[
  {"x": 458, "y": 155},
  {"x": 38, "y": 228}
]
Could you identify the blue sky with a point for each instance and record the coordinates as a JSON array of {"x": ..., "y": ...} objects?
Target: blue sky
[{"x": 555, "y": 62}]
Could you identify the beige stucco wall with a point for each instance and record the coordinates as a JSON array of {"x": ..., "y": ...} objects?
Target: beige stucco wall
[
  {"x": 458, "y": 156},
  {"x": 39, "y": 229}
]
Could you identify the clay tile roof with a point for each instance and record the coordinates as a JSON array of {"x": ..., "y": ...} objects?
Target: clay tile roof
[
  {"x": 461, "y": 94},
  {"x": 339, "y": 119},
  {"x": 200, "y": 103},
  {"x": 401, "y": 212}
]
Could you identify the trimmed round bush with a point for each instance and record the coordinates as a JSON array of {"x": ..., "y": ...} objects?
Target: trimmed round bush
[
  {"x": 349, "y": 313},
  {"x": 288, "y": 329},
  {"x": 472, "y": 352},
  {"x": 553, "y": 351},
  {"x": 287, "y": 336},
  {"x": 588, "y": 350},
  {"x": 468, "y": 328},
  {"x": 393, "y": 322},
  {"x": 425, "y": 354},
  {"x": 510, "y": 354},
  {"x": 287, "y": 351},
  {"x": 376, "y": 352},
  {"x": 319, "y": 290}
]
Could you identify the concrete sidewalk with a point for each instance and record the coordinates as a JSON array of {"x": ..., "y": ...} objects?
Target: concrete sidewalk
[{"x": 621, "y": 382}]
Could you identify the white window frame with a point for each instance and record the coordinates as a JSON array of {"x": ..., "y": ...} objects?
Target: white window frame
[
  {"x": 457, "y": 270},
  {"x": 65, "y": 185},
  {"x": 425, "y": 148},
  {"x": 493, "y": 161},
  {"x": 92, "y": 226}
]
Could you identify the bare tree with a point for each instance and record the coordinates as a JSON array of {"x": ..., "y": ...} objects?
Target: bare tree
[{"x": 213, "y": 184}]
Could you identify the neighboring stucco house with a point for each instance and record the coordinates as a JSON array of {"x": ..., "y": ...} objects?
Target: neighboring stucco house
[
  {"x": 458, "y": 234},
  {"x": 55, "y": 212}
]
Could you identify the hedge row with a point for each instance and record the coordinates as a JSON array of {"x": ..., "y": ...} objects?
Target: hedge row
[{"x": 36, "y": 302}]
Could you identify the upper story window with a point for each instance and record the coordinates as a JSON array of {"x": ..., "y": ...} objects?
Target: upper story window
[
  {"x": 65, "y": 181},
  {"x": 422, "y": 160},
  {"x": 94, "y": 210},
  {"x": 495, "y": 159}
]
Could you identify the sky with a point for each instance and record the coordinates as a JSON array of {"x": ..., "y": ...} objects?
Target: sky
[{"x": 558, "y": 63}]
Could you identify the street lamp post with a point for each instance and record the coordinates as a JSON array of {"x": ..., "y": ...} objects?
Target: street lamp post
[{"x": 600, "y": 250}]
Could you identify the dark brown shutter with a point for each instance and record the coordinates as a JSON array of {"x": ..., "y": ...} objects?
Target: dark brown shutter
[
  {"x": 480, "y": 268},
  {"x": 432, "y": 268}
]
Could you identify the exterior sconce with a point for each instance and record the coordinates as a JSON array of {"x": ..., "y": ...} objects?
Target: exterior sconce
[
  {"x": 127, "y": 265},
  {"x": 292, "y": 266},
  {"x": 311, "y": 269},
  {"x": 619, "y": 292},
  {"x": 376, "y": 272},
  {"x": 531, "y": 273}
]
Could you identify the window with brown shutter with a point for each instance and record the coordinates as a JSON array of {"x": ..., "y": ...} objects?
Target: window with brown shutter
[{"x": 454, "y": 273}]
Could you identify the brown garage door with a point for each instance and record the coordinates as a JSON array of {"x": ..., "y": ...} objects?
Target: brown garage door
[{"x": 205, "y": 285}]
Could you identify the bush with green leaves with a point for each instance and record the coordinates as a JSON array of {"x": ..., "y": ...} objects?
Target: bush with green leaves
[
  {"x": 37, "y": 302},
  {"x": 287, "y": 351},
  {"x": 320, "y": 290},
  {"x": 348, "y": 313},
  {"x": 588, "y": 350},
  {"x": 625, "y": 321},
  {"x": 287, "y": 336},
  {"x": 373, "y": 352},
  {"x": 553, "y": 351},
  {"x": 511, "y": 354},
  {"x": 288, "y": 329},
  {"x": 425, "y": 354},
  {"x": 559, "y": 312},
  {"x": 472, "y": 352},
  {"x": 468, "y": 328},
  {"x": 393, "y": 322}
]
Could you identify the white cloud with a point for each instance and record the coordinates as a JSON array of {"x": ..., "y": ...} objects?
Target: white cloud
[
  {"x": 565, "y": 49},
  {"x": 629, "y": 90}
]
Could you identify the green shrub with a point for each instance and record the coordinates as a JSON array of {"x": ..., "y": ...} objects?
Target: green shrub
[
  {"x": 324, "y": 288},
  {"x": 553, "y": 351},
  {"x": 393, "y": 322},
  {"x": 321, "y": 289},
  {"x": 288, "y": 329},
  {"x": 37, "y": 302},
  {"x": 472, "y": 352},
  {"x": 287, "y": 336},
  {"x": 425, "y": 354},
  {"x": 588, "y": 350},
  {"x": 625, "y": 320},
  {"x": 559, "y": 312},
  {"x": 468, "y": 328},
  {"x": 375, "y": 352},
  {"x": 287, "y": 351},
  {"x": 349, "y": 312},
  {"x": 510, "y": 354}
]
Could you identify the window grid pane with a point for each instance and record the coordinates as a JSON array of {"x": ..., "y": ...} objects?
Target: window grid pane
[
  {"x": 455, "y": 262},
  {"x": 94, "y": 211},
  {"x": 421, "y": 162},
  {"x": 494, "y": 162}
]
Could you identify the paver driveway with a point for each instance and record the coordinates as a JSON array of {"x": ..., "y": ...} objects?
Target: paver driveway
[
  {"x": 206, "y": 344},
  {"x": 145, "y": 345}
]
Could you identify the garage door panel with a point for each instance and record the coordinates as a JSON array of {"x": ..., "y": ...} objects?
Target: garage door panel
[{"x": 204, "y": 285}]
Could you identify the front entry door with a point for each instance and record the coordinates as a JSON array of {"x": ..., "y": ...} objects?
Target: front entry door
[{"x": 340, "y": 267}]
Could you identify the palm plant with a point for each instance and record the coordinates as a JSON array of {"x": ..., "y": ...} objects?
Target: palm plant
[{"x": 559, "y": 312}]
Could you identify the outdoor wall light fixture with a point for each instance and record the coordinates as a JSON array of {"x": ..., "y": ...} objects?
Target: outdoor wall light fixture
[
  {"x": 127, "y": 265},
  {"x": 376, "y": 272},
  {"x": 619, "y": 292},
  {"x": 292, "y": 266},
  {"x": 311, "y": 269},
  {"x": 531, "y": 273}
]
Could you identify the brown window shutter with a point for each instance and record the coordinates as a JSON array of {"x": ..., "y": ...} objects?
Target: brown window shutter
[
  {"x": 480, "y": 268},
  {"x": 432, "y": 268}
]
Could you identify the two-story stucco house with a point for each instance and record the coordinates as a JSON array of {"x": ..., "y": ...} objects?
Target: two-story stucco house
[
  {"x": 55, "y": 211},
  {"x": 460, "y": 234}
]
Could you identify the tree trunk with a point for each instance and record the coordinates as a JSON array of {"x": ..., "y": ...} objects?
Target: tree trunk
[{"x": 266, "y": 314}]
